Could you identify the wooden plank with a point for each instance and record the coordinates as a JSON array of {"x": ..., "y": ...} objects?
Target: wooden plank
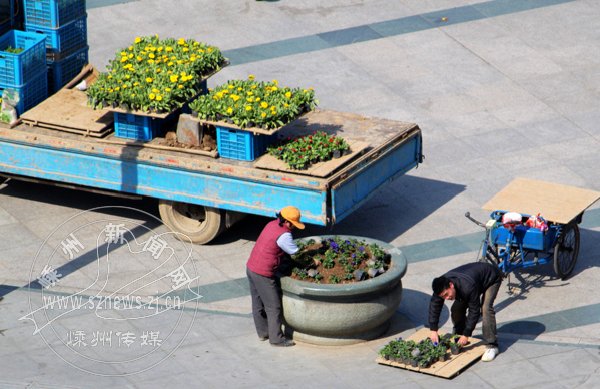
[
  {"x": 450, "y": 367},
  {"x": 319, "y": 169},
  {"x": 67, "y": 109},
  {"x": 557, "y": 203},
  {"x": 156, "y": 144}
]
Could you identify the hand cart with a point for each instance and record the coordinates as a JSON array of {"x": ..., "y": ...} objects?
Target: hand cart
[{"x": 514, "y": 245}]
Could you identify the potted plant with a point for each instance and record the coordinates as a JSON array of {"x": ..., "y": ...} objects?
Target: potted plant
[
  {"x": 250, "y": 103},
  {"x": 347, "y": 312},
  {"x": 155, "y": 75},
  {"x": 301, "y": 152}
]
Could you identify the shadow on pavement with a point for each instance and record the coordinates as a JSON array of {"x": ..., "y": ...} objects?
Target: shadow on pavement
[{"x": 392, "y": 211}]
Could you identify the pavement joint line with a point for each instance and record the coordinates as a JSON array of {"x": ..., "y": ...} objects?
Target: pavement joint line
[{"x": 380, "y": 30}]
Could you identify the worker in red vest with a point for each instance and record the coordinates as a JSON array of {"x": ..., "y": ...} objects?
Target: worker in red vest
[{"x": 274, "y": 242}]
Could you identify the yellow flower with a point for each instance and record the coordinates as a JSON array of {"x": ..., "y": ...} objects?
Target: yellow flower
[
  {"x": 179, "y": 86},
  {"x": 168, "y": 49},
  {"x": 123, "y": 59},
  {"x": 234, "y": 97},
  {"x": 262, "y": 115},
  {"x": 251, "y": 77},
  {"x": 148, "y": 79},
  {"x": 230, "y": 86},
  {"x": 139, "y": 58},
  {"x": 150, "y": 61},
  {"x": 154, "y": 90},
  {"x": 264, "y": 105},
  {"x": 167, "y": 89},
  {"x": 133, "y": 95},
  {"x": 137, "y": 39},
  {"x": 275, "y": 82},
  {"x": 158, "y": 97},
  {"x": 229, "y": 110},
  {"x": 151, "y": 55},
  {"x": 173, "y": 78},
  {"x": 288, "y": 94},
  {"x": 185, "y": 50},
  {"x": 248, "y": 108},
  {"x": 151, "y": 96},
  {"x": 181, "y": 42},
  {"x": 130, "y": 55},
  {"x": 273, "y": 88},
  {"x": 250, "y": 99}
]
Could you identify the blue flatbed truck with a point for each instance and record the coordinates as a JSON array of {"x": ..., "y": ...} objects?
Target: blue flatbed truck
[{"x": 201, "y": 196}]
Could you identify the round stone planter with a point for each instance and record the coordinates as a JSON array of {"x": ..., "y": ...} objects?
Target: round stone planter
[{"x": 340, "y": 314}]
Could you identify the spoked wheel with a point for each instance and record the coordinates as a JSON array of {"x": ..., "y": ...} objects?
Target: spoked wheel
[
  {"x": 201, "y": 224},
  {"x": 566, "y": 251}
]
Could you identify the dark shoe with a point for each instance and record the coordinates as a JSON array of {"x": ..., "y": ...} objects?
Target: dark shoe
[
  {"x": 263, "y": 338},
  {"x": 285, "y": 343}
]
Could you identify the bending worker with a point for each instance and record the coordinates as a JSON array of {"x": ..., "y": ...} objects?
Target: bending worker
[
  {"x": 473, "y": 287},
  {"x": 274, "y": 242}
]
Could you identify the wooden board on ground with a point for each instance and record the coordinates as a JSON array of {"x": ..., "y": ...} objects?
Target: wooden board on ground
[
  {"x": 67, "y": 110},
  {"x": 157, "y": 144},
  {"x": 449, "y": 368},
  {"x": 555, "y": 202},
  {"x": 320, "y": 169}
]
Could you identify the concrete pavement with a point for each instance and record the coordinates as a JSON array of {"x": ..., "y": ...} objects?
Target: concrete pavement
[{"x": 500, "y": 89}]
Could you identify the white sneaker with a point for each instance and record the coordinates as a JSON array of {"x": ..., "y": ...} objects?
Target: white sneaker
[{"x": 490, "y": 354}]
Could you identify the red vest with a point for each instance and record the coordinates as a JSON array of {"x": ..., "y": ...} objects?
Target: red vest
[{"x": 266, "y": 254}]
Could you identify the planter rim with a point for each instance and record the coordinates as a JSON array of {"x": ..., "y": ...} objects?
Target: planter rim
[{"x": 388, "y": 279}]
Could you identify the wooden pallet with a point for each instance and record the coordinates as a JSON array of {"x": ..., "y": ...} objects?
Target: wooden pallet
[
  {"x": 157, "y": 144},
  {"x": 67, "y": 110},
  {"x": 449, "y": 368},
  {"x": 319, "y": 169}
]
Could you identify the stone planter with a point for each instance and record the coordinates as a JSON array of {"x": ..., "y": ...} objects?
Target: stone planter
[{"x": 339, "y": 314}]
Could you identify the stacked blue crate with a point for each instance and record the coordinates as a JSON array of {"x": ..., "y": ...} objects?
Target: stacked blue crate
[
  {"x": 64, "y": 22},
  {"x": 23, "y": 67}
]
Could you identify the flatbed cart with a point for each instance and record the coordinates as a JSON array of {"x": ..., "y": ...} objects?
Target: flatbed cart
[{"x": 516, "y": 244}]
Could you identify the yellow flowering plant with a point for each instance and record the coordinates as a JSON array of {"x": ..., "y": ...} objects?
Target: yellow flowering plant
[
  {"x": 154, "y": 75},
  {"x": 250, "y": 103}
]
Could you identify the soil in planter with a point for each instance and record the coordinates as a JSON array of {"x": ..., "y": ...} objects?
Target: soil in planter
[{"x": 313, "y": 256}]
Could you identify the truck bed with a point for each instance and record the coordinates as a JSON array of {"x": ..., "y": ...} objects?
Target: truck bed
[{"x": 180, "y": 175}]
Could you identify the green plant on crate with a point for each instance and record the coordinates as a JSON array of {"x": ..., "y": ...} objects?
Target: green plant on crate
[
  {"x": 250, "y": 103},
  {"x": 155, "y": 75},
  {"x": 299, "y": 153},
  {"x": 13, "y": 50},
  {"x": 336, "y": 260}
]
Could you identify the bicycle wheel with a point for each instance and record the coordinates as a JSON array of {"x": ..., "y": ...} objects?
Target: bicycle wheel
[{"x": 566, "y": 251}]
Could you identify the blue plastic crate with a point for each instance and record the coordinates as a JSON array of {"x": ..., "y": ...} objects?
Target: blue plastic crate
[
  {"x": 52, "y": 13},
  {"x": 63, "y": 71},
  {"x": 30, "y": 94},
  {"x": 131, "y": 126},
  {"x": 64, "y": 40},
  {"x": 18, "y": 69},
  {"x": 241, "y": 145}
]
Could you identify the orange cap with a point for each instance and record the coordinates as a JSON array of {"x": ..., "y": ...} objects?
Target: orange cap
[{"x": 292, "y": 214}]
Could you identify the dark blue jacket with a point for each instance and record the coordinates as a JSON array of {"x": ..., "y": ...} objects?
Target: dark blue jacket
[{"x": 470, "y": 281}]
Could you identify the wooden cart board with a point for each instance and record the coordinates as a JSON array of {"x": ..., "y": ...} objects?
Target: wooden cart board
[
  {"x": 319, "y": 169},
  {"x": 555, "y": 202},
  {"x": 449, "y": 368},
  {"x": 67, "y": 110}
]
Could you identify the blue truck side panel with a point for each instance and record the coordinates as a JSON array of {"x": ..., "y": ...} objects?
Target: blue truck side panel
[
  {"x": 161, "y": 182},
  {"x": 361, "y": 186}
]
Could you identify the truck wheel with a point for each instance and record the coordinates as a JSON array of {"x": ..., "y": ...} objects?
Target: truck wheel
[{"x": 200, "y": 224}]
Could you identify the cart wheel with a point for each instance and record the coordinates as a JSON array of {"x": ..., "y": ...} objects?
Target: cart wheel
[
  {"x": 201, "y": 224},
  {"x": 566, "y": 251}
]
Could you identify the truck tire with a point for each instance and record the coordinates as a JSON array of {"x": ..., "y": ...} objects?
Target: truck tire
[{"x": 199, "y": 223}]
